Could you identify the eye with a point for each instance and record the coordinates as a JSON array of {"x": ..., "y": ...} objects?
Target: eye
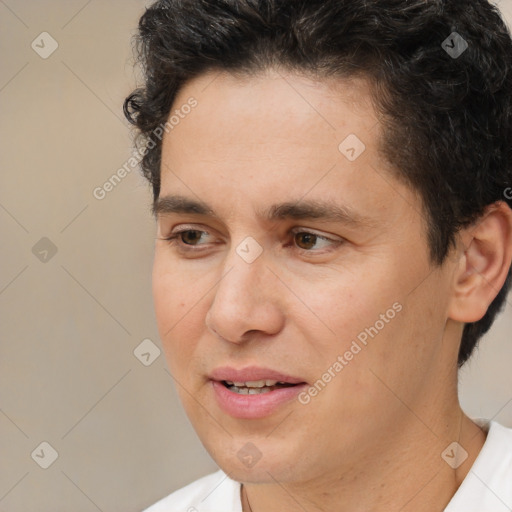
[
  {"x": 190, "y": 236},
  {"x": 306, "y": 241},
  {"x": 187, "y": 237}
]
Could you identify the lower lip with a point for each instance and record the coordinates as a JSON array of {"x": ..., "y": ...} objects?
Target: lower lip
[{"x": 253, "y": 406}]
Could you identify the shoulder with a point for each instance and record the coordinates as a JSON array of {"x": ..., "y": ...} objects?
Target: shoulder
[
  {"x": 496, "y": 455},
  {"x": 215, "y": 492},
  {"x": 499, "y": 452},
  {"x": 502, "y": 432},
  {"x": 488, "y": 484}
]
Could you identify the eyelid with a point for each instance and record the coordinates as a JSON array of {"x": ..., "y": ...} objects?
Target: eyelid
[
  {"x": 332, "y": 238},
  {"x": 295, "y": 230},
  {"x": 186, "y": 227}
]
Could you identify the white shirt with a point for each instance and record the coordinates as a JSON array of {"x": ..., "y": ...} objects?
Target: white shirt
[{"x": 486, "y": 488}]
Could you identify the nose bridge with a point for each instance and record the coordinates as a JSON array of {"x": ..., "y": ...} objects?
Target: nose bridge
[
  {"x": 243, "y": 299},
  {"x": 242, "y": 286}
]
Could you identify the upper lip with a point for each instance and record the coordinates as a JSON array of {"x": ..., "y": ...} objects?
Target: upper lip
[{"x": 252, "y": 373}]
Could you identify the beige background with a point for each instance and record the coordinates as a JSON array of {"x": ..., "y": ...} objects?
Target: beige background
[{"x": 70, "y": 324}]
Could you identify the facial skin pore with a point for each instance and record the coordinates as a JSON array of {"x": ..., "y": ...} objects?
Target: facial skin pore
[{"x": 372, "y": 439}]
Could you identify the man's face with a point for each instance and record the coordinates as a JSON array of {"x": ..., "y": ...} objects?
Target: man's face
[{"x": 347, "y": 308}]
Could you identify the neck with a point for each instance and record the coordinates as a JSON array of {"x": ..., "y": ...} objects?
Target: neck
[{"x": 406, "y": 474}]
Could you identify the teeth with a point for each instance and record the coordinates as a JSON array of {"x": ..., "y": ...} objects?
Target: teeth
[
  {"x": 249, "y": 391},
  {"x": 253, "y": 383},
  {"x": 253, "y": 387}
]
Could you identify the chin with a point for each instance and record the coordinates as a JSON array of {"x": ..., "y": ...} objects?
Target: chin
[{"x": 256, "y": 460}]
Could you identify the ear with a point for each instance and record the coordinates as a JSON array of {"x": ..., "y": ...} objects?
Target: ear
[{"x": 483, "y": 264}]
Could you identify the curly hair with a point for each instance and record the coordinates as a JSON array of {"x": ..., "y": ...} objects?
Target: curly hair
[{"x": 440, "y": 72}]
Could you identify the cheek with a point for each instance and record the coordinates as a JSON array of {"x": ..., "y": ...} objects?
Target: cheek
[
  {"x": 168, "y": 298},
  {"x": 337, "y": 308},
  {"x": 175, "y": 292},
  {"x": 179, "y": 308}
]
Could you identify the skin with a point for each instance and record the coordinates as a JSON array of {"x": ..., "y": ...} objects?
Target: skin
[{"x": 372, "y": 438}]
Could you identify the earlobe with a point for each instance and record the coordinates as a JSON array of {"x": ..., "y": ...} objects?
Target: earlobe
[{"x": 483, "y": 265}]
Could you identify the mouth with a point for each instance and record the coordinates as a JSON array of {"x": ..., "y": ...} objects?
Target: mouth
[
  {"x": 255, "y": 387},
  {"x": 254, "y": 392}
]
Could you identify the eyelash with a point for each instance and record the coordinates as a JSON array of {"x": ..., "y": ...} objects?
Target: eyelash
[{"x": 174, "y": 240}]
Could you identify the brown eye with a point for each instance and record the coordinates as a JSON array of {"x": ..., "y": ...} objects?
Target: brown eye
[
  {"x": 191, "y": 236},
  {"x": 305, "y": 240}
]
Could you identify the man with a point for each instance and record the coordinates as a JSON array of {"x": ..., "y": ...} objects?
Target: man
[{"x": 334, "y": 236}]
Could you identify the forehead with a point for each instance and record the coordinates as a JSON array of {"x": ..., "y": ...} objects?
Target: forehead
[
  {"x": 277, "y": 100},
  {"x": 270, "y": 117}
]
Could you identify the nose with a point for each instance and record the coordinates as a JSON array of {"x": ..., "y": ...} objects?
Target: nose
[{"x": 246, "y": 302}]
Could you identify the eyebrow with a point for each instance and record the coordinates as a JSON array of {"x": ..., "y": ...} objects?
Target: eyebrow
[{"x": 297, "y": 210}]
